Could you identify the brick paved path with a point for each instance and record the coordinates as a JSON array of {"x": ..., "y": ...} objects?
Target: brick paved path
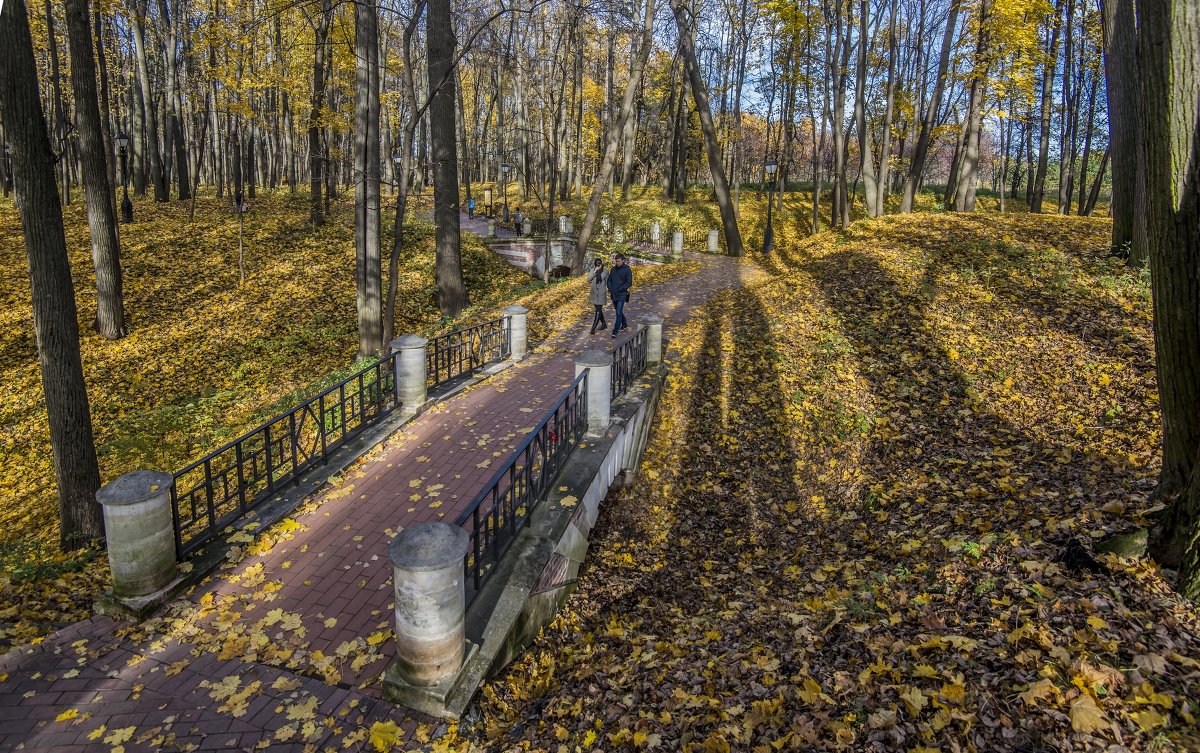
[{"x": 284, "y": 649}]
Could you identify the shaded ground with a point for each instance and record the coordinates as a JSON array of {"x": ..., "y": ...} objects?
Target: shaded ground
[{"x": 847, "y": 527}]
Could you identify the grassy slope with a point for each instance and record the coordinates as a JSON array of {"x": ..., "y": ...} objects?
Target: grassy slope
[{"x": 846, "y": 530}]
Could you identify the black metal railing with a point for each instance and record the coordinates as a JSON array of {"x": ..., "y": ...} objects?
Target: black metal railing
[
  {"x": 463, "y": 351},
  {"x": 629, "y": 361},
  {"x": 235, "y": 478},
  {"x": 502, "y": 508}
]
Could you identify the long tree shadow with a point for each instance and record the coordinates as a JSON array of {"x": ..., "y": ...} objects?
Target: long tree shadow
[
  {"x": 737, "y": 469},
  {"x": 943, "y": 422}
]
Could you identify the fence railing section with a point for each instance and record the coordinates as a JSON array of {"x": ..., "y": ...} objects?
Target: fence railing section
[
  {"x": 232, "y": 480},
  {"x": 629, "y": 361},
  {"x": 502, "y": 508},
  {"x": 235, "y": 478},
  {"x": 462, "y": 351}
]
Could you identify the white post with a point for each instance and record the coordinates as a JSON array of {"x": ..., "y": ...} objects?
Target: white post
[
  {"x": 619, "y": 234},
  {"x": 677, "y": 245},
  {"x": 654, "y": 327},
  {"x": 139, "y": 534},
  {"x": 410, "y": 371},
  {"x": 427, "y": 570},
  {"x": 605, "y": 223},
  {"x": 712, "y": 241},
  {"x": 655, "y": 232},
  {"x": 518, "y": 330},
  {"x": 598, "y": 365},
  {"x": 527, "y": 227},
  {"x": 491, "y": 228}
]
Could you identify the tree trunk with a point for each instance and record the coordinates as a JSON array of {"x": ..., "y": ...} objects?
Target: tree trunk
[
  {"x": 55, "y": 317},
  {"x": 1039, "y": 180},
  {"x": 968, "y": 176},
  {"x": 316, "y": 157},
  {"x": 916, "y": 166},
  {"x": 733, "y": 237},
  {"x": 614, "y": 136},
  {"x": 452, "y": 291},
  {"x": 368, "y": 271},
  {"x": 870, "y": 179},
  {"x": 1169, "y": 55},
  {"x": 1121, "y": 81},
  {"x": 158, "y": 176},
  {"x": 102, "y": 219}
]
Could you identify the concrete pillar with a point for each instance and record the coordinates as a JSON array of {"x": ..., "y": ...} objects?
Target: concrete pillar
[
  {"x": 410, "y": 371},
  {"x": 677, "y": 245},
  {"x": 654, "y": 326},
  {"x": 605, "y": 223},
  {"x": 139, "y": 534},
  {"x": 619, "y": 234},
  {"x": 655, "y": 232},
  {"x": 598, "y": 365},
  {"x": 491, "y": 228},
  {"x": 427, "y": 570},
  {"x": 712, "y": 241},
  {"x": 519, "y": 330},
  {"x": 566, "y": 224},
  {"x": 527, "y": 227}
]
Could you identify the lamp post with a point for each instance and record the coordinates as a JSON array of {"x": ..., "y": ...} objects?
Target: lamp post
[
  {"x": 8, "y": 178},
  {"x": 769, "y": 235},
  {"x": 504, "y": 168},
  {"x": 126, "y": 204}
]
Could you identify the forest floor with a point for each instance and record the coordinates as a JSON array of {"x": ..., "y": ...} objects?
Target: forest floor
[{"x": 847, "y": 530}]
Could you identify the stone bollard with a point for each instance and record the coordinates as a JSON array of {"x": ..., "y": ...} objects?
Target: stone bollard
[
  {"x": 605, "y": 223},
  {"x": 654, "y": 327},
  {"x": 618, "y": 234},
  {"x": 518, "y": 331},
  {"x": 491, "y": 229},
  {"x": 677, "y": 245},
  {"x": 427, "y": 571},
  {"x": 140, "y": 537},
  {"x": 410, "y": 371},
  {"x": 655, "y": 232},
  {"x": 712, "y": 241},
  {"x": 598, "y": 364},
  {"x": 527, "y": 227}
]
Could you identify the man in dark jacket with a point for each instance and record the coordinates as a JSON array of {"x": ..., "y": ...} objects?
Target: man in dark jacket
[{"x": 620, "y": 281}]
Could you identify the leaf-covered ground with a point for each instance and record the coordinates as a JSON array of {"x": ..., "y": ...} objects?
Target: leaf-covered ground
[
  {"x": 848, "y": 526},
  {"x": 204, "y": 361}
]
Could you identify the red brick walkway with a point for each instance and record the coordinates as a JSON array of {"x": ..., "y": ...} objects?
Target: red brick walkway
[{"x": 284, "y": 648}]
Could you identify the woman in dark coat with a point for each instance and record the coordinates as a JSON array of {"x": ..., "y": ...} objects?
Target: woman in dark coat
[{"x": 596, "y": 295}]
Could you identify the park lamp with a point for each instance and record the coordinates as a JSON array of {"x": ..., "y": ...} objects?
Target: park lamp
[
  {"x": 505, "y": 167},
  {"x": 122, "y": 141},
  {"x": 397, "y": 158},
  {"x": 771, "y": 166}
]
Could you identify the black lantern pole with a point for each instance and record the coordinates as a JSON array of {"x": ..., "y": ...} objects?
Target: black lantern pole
[
  {"x": 769, "y": 234},
  {"x": 126, "y": 204},
  {"x": 8, "y": 176},
  {"x": 504, "y": 168}
]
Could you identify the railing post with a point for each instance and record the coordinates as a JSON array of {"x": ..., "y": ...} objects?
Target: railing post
[
  {"x": 618, "y": 234},
  {"x": 410, "y": 371},
  {"x": 655, "y": 232},
  {"x": 712, "y": 241},
  {"x": 677, "y": 245},
  {"x": 654, "y": 326},
  {"x": 598, "y": 366},
  {"x": 140, "y": 537},
  {"x": 519, "y": 345},
  {"x": 427, "y": 562},
  {"x": 491, "y": 228}
]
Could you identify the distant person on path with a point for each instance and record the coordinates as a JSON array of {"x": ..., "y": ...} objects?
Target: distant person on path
[
  {"x": 599, "y": 281},
  {"x": 471, "y": 207},
  {"x": 620, "y": 281}
]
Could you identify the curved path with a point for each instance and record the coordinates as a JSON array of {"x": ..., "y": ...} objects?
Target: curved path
[{"x": 284, "y": 650}]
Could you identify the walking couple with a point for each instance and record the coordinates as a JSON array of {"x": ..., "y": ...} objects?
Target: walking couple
[{"x": 618, "y": 284}]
